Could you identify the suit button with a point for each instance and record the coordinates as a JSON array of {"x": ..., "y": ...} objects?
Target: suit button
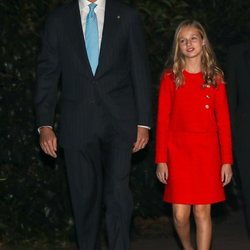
[
  {"x": 207, "y": 106},
  {"x": 208, "y": 96}
]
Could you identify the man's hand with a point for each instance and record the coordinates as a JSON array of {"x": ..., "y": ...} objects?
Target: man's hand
[
  {"x": 48, "y": 141},
  {"x": 162, "y": 172},
  {"x": 142, "y": 139},
  {"x": 226, "y": 174}
]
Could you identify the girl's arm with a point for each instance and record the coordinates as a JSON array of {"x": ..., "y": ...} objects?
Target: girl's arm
[
  {"x": 224, "y": 129},
  {"x": 162, "y": 172},
  {"x": 164, "y": 108},
  {"x": 223, "y": 124},
  {"x": 226, "y": 173}
]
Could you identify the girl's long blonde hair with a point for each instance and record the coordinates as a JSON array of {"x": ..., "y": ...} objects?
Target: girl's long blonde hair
[{"x": 210, "y": 70}]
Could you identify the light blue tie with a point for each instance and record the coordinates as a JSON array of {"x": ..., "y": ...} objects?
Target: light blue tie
[{"x": 92, "y": 38}]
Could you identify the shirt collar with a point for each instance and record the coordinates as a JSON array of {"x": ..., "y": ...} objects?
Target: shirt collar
[{"x": 85, "y": 3}]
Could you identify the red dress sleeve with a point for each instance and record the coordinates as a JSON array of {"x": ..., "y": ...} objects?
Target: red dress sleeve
[
  {"x": 223, "y": 124},
  {"x": 164, "y": 110}
]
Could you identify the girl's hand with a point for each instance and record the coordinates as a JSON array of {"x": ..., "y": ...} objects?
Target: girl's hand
[
  {"x": 162, "y": 172},
  {"x": 226, "y": 174}
]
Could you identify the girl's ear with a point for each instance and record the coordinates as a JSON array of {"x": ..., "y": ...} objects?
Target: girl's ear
[{"x": 203, "y": 42}]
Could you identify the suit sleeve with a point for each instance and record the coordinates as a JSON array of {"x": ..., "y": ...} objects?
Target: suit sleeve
[
  {"x": 140, "y": 71},
  {"x": 47, "y": 74},
  {"x": 163, "y": 115},
  {"x": 223, "y": 124}
]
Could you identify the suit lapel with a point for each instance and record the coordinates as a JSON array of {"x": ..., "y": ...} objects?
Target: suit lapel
[
  {"x": 75, "y": 32},
  {"x": 111, "y": 21}
]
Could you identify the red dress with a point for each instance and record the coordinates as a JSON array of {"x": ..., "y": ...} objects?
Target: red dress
[{"x": 194, "y": 138}]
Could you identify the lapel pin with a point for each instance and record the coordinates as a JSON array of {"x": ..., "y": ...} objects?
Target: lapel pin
[{"x": 118, "y": 17}]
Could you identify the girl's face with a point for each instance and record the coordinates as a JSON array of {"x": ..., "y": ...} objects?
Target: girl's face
[{"x": 190, "y": 42}]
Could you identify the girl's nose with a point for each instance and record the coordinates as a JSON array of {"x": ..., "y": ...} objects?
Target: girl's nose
[{"x": 188, "y": 42}]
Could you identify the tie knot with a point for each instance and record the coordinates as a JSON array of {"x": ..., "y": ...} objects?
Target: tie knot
[{"x": 92, "y": 7}]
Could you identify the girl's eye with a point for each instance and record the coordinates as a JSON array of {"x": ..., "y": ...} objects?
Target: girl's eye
[
  {"x": 182, "y": 41},
  {"x": 194, "y": 38}
]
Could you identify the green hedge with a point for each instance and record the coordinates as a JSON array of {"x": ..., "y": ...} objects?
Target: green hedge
[{"x": 33, "y": 188}]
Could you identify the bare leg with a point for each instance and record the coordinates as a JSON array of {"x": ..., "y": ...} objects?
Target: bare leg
[
  {"x": 202, "y": 215},
  {"x": 181, "y": 214}
]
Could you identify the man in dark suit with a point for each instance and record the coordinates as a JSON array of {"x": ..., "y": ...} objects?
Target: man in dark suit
[
  {"x": 238, "y": 79},
  {"x": 96, "y": 49}
]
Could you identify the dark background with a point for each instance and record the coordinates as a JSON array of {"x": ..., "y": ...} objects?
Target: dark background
[{"x": 34, "y": 201}]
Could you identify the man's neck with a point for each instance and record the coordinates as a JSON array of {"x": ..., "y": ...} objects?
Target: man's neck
[{"x": 84, "y": 3}]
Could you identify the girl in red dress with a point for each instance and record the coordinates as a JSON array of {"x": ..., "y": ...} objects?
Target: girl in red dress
[{"x": 193, "y": 139}]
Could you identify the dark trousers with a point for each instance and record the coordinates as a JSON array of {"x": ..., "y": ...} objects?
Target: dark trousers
[{"x": 98, "y": 173}]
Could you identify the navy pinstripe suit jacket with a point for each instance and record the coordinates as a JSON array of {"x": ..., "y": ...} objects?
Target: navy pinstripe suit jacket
[{"x": 121, "y": 83}]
